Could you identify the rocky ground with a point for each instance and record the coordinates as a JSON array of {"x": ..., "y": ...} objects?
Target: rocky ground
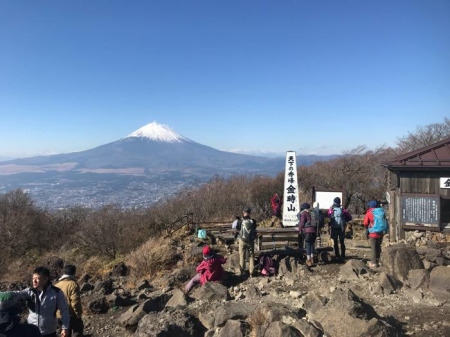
[{"x": 409, "y": 295}]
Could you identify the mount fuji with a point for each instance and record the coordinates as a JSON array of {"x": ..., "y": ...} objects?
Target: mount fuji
[{"x": 151, "y": 163}]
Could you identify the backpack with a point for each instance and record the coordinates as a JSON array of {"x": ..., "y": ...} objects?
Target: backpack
[
  {"x": 380, "y": 224},
  {"x": 267, "y": 266},
  {"x": 314, "y": 222},
  {"x": 247, "y": 231},
  {"x": 337, "y": 218},
  {"x": 201, "y": 234}
]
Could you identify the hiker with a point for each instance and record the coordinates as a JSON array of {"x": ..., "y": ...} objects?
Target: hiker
[
  {"x": 276, "y": 210},
  {"x": 309, "y": 224},
  {"x": 376, "y": 226},
  {"x": 209, "y": 270},
  {"x": 247, "y": 236},
  {"x": 9, "y": 320},
  {"x": 338, "y": 218},
  {"x": 43, "y": 300},
  {"x": 71, "y": 291}
]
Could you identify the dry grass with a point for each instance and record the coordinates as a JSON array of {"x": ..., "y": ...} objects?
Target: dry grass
[
  {"x": 152, "y": 257},
  {"x": 259, "y": 322}
]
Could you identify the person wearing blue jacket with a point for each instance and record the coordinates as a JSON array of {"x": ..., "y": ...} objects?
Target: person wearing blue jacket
[{"x": 43, "y": 301}]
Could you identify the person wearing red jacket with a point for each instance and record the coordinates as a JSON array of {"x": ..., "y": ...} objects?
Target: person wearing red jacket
[
  {"x": 276, "y": 210},
  {"x": 209, "y": 270},
  {"x": 375, "y": 239}
]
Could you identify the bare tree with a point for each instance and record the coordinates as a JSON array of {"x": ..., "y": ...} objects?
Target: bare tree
[{"x": 424, "y": 136}]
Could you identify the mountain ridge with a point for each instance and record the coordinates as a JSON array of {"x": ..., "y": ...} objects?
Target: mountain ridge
[{"x": 154, "y": 160}]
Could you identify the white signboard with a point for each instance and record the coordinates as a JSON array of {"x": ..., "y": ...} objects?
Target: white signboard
[
  {"x": 291, "y": 206},
  {"x": 388, "y": 197},
  {"x": 445, "y": 182},
  {"x": 325, "y": 198}
]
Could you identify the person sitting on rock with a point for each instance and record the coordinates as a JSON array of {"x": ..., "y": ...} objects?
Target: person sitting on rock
[
  {"x": 43, "y": 301},
  {"x": 10, "y": 322},
  {"x": 209, "y": 270}
]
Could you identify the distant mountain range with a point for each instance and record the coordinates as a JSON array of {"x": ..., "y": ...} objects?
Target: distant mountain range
[{"x": 149, "y": 164}]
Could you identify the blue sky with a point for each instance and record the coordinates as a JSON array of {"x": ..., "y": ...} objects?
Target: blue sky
[{"x": 313, "y": 76}]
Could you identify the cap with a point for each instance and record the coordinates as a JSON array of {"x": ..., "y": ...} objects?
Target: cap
[
  {"x": 207, "y": 251},
  {"x": 7, "y": 301}
]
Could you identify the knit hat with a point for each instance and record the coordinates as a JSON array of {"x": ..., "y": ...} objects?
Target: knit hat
[
  {"x": 373, "y": 204},
  {"x": 337, "y": 201},
  {"x": 305, "y": 206},
  {"x": 207, "y": 251},
  {"x": 7, "y": 301},
  {"x": 247, "y": 210}
]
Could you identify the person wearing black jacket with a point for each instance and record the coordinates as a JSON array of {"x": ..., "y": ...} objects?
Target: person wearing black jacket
[{"x": 10, "y": 322}]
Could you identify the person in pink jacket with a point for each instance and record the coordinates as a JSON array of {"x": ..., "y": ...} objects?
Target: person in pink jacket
[{"x": 209, "y": 270}]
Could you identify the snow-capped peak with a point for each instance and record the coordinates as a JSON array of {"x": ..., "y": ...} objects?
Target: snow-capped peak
[{"x": 159, "y": 133}]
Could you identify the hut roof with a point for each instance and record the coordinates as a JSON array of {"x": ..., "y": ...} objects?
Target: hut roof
[{"x": 434, "y": 156}]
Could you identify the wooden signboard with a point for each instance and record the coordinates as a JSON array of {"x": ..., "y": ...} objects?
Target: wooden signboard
[{"x": 421, "y": 210}]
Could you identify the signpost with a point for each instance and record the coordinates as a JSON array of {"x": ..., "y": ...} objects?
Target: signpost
[
  {"x": 325, "y": 198},
  {"x": 421, "y": 210},
  {"x": 291, "y": 206},
  {"x": 444, "y": 182}
]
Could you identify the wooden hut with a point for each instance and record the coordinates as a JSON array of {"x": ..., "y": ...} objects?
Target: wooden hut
[{"x": 419, "y": 190}]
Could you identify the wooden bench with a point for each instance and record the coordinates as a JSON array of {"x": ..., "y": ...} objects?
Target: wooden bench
[{"x": 268, "y": 240}]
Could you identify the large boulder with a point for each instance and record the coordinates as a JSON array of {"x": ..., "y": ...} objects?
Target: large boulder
[
  {"x": 277, "y": 329},
  {"x": 178, "y": 299},
  {"x": 279, "y": 312},
  {"x": 233, "y": 328},
  {"x": 232, "y": 263},
  {"x": 211, "y": 291},
  {"x": 440, "y": 282},
  {"x": 288, "y": 265},
  {"x": 130, "y": 318},
  {"x": 345, "y": 314},
  {"x": 418, "y": 278},
  {"x": 353, "y": 269},
  {"x": 233, "y": 310},
  {"x": 98, "y": 305},
  {"x": 173, "y": 322},
  {"x": 119, "y": 301},
  {"x": 433, "y": 254},
  {"x": 313, "y": 302},
  {"x": 307, "y": 329},
  {"x": 399, "y": 259},
  {"x": 389, "y": 283}
]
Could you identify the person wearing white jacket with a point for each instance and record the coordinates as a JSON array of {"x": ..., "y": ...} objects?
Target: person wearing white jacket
[{"x": 43, "y": 300}]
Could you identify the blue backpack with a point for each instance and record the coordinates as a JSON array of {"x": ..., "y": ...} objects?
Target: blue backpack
[
  {"x": 201, "y": 234},
  {"x": 337, "y": 218},
  {"x": 380, "y": 224}
]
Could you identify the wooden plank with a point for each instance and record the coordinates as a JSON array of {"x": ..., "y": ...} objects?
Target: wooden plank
[{"x": 279, "y": 238}]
